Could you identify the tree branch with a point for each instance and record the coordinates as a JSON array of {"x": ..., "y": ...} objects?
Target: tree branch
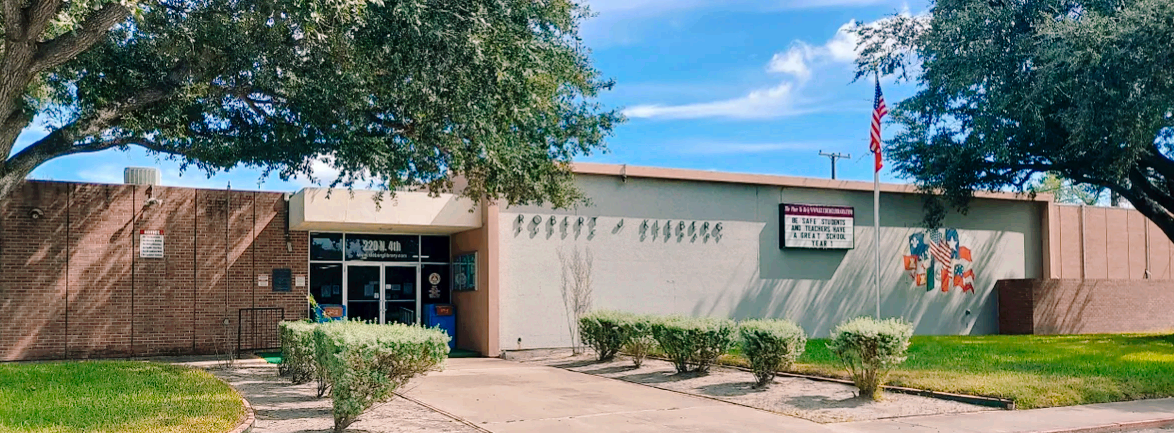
[
  {"x": 65, "y": 47},
  {"x": 1140, "y": 180},
  {"x": 14, "y": 25},
  {"x": 38, "y": 14}
]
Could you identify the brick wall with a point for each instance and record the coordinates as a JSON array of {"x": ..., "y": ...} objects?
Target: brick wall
[
  {"x": 72, "y": 284},
  {"x": 1070, "y": 306}
]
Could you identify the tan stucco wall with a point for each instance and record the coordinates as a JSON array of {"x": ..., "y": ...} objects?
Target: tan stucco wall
[
  {"x": 477, "y": 311},
  {"x": 744, "y": 274}
]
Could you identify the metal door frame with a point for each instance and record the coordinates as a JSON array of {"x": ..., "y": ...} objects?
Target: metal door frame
[
  {"x": 346, "y": 272},
  {"x": 383, "y": 284}
]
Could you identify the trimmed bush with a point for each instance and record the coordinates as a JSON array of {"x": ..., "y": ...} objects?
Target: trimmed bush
[
  {"x": 770, "y": 346},
  {"x": 297, "y": 351},
  {"x": 605, "y": 331},
  {"x": 365, "y": 363},
  {"x": 693, "y": 344},
  {"x": 869, "y": 349},
  {"x": 640, "y": 341}
]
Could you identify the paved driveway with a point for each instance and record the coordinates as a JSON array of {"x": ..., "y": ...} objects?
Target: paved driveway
[{"x": 503, "y": 396}]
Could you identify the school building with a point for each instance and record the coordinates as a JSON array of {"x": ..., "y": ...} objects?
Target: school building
[{"x": 141, "y": 269}]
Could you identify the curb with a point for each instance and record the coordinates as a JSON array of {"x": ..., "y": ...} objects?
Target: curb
[
  {"x": 246, "y": 423},
  {"x": 1116, "y": 427}
]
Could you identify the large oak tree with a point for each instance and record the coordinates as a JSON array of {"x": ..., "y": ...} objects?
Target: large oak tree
[
  {"x": 1011, "y": 90},
  {"x": 391, "y": 93}
]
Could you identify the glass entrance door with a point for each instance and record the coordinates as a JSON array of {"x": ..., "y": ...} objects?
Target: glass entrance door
[
  {"x": 383, "y": 293},
  {"x": 363, "y": 287},
  {"x": 402, "y": 300}
]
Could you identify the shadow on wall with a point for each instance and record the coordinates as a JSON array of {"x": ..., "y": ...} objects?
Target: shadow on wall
[
  {"x": 80, "y": 275},
  {"x": 819, "y": 289}
]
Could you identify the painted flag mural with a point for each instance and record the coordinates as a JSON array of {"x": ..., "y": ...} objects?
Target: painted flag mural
[{"x": 938, "y": 260}]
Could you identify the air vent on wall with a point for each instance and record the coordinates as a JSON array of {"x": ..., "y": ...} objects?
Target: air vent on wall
[{"x": 141, "y": 176}]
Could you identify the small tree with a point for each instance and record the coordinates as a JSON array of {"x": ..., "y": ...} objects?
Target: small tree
[
  {"x": 606, "y": 332},
  {"x": 640, "y": 341},
  {"x": 297, "y": 351},
  {"x": 693, "y": 344},
  {"x": 770, "y": 346},
  {"x": 366, "y": 363},
  {"x": 869, "y": 349},
  {"x": 576, "y": 290}
]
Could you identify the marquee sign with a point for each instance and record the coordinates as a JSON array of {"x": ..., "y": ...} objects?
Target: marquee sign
[{"x": 816, "y": 226}]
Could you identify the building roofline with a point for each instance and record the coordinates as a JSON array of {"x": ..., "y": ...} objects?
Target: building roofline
[{"x": 771, "y": 180}]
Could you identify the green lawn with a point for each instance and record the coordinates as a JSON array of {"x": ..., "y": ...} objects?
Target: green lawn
[
  {"x": 114, "y": 396},
  {"x": 1033, "y": 370}
]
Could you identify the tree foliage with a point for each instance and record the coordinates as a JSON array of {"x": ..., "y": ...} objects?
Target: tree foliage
[
  {"x": 391, "y": 93},
  {"x": 1013, "y": 89},
  {"x": 1067, "y": 191}
]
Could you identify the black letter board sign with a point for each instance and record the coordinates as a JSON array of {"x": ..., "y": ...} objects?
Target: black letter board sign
[
  {"x": 281, "y": 279},
  {"x": 816, "y": 226}
]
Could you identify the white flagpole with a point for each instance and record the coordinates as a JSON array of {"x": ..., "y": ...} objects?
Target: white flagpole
[
  {"x": 876, "y": 200},
  {"x": 876, "y": 229}
]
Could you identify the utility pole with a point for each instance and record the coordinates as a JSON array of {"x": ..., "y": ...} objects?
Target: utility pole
[{"x": 834, "y": 157}]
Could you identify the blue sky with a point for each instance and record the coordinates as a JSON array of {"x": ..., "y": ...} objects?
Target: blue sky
[{"x": 757, "y": 86}]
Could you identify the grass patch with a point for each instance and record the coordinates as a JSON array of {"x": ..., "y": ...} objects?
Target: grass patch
[
  {"x": 114, "y": 396},
  {"x": 1033, "y": 370}
]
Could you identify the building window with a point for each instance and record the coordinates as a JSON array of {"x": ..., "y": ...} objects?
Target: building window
[
  {"x": 326, "y": 283},
  {"x": 326, "y": 246},
  {"x": 434, "y": 249}
]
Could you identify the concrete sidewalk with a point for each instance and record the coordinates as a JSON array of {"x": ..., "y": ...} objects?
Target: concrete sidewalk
[
  {"x": 1104, "y": 417},
  {"x": 503, "y": 396}
]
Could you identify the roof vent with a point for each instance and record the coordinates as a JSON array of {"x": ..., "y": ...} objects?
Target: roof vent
[{"x": 141, "y": 176}]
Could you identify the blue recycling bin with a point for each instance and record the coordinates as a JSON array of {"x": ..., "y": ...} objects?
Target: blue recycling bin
[{"x": 443, "y": 316}]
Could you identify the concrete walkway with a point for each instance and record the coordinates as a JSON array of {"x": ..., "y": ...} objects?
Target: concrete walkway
[
  {"x": 1104, "y": 417},
  {"x": 503, "y": 396}
]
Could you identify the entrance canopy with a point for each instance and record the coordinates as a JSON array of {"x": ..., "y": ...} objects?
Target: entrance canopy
[{"x": 320, "y": 209}]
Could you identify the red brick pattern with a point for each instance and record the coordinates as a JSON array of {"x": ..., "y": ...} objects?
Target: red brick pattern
[
  {"x": 1084, "y": 306},
  {"x": 33, "y": 301},
  {"x": 72, "y": 284}
]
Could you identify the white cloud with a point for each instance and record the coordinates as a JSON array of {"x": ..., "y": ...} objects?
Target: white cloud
[
  {"x": 793, "y": 61},
  {"x": 323, "y": 171},
  {"x": 778, "y": 101},
  {"x": 801, "y": 57},
  {"x": 759, "y": 104},
  {"x": 801, "y": 61},
  {"x": 724, "y": 148}
]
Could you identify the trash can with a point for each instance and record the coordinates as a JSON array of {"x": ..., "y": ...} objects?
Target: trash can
[{"x": 443, "y": 316}]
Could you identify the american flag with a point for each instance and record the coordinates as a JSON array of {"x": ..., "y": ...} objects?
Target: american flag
[
  {"x": 879, "y": 110},
  {"x": 940, "y": 249}
]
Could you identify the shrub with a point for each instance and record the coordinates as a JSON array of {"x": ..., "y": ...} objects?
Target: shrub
[
  {"x": 693, "y": 344},
  {"x": 365, "y": 363},
  {"x": 605, "y": 331},
  {"x": 770, "y": 346},
  {"x": 640, "y": 341},
  {"x": 869, "y": 349},
  {"x": 297, "y": 351}
]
